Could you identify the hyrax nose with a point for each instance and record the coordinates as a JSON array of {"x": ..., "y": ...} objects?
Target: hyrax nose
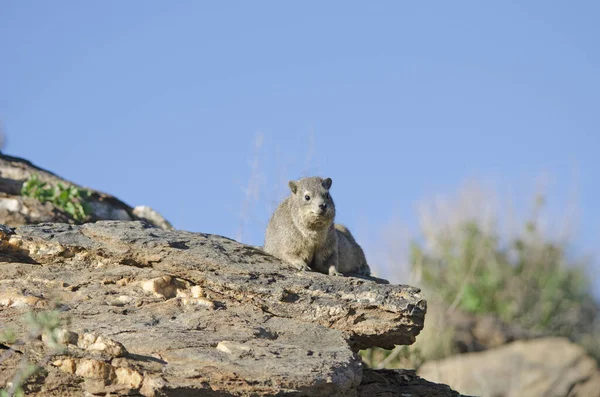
[{"x": 323, "y": 206}]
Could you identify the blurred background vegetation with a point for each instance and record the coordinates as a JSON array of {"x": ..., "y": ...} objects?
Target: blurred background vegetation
[{"x": 472, "y": 258}]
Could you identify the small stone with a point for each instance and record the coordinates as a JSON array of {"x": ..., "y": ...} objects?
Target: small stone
[
  {"x": 123, "y": 282},
  {"x": 231, "y": 347},
  {"x": 129, "y": 377},
  {"x": 197, "y": 291}
]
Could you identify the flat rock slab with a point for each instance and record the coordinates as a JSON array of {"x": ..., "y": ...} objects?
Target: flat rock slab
[{"x": 164, "y": 312}]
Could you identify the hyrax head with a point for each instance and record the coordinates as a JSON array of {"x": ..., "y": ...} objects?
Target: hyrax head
[{"x": 313, "y": 205}]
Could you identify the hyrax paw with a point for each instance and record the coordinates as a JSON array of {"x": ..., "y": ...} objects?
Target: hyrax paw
[
  {"x": 333, "y": 272},
  {"x": 304, "y": 268}
]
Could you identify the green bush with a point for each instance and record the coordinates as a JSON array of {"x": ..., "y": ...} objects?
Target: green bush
[
  {"x": 69, "y": 198},
  {"x": 528, "y": 280},
  {"x": 464, "y": 262}
]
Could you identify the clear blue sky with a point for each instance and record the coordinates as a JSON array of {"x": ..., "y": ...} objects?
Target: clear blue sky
[{"x": 159, "y": 102}]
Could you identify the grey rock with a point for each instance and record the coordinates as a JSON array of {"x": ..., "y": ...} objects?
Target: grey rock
[
  {"x": 545, "y": 367},
  {"x": 194, "y": 314},
  {"x": 149, "y": 215},
  {"x": 400, "y": 383}
]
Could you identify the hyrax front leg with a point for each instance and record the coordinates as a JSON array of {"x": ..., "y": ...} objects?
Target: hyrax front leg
[
  {"x": 333, "y": 271},
  {"x": 331, "y": 265},
  {"x": 297, "y": 262}
]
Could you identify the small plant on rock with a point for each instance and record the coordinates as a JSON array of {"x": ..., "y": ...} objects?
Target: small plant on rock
[
  {"x": 46, "y": 326},
  {"x": 70, "y": 199}
]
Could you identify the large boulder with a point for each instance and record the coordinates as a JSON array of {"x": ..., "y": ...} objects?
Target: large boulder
[
  {"x": 163, "y": 312},
  {"x": 545, "y": 367},
  {"x": 156, "y": 312}
]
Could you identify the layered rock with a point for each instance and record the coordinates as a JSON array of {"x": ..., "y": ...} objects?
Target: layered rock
[
  {"x": 157, "y": 312},
  {"x": 163, "y": 312}
]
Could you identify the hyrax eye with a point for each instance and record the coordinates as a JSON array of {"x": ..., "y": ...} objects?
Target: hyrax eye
[
  {"x": 306, "y": 197},
  {"x": 327, "y": 196}
]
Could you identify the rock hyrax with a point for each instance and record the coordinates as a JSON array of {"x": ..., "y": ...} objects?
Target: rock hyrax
[{"x": 302, "y": 233}]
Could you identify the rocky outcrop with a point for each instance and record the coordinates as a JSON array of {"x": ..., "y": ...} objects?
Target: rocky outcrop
[
  {"x": 156, "y": 312},
  {"x": 162, "y": 312},
  {"x": 545, "y": 367},
  {"x": 16, "y": 209}
]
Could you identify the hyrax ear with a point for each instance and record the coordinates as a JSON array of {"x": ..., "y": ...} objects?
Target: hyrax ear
[
  {"x": 293, "y": 186},
  {"x": 326, "y": 183}
]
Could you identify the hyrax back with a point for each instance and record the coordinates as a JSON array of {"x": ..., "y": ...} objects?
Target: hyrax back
[
  {"x": 351, "y": 256},
  {"x": 302, "y": 232}
]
